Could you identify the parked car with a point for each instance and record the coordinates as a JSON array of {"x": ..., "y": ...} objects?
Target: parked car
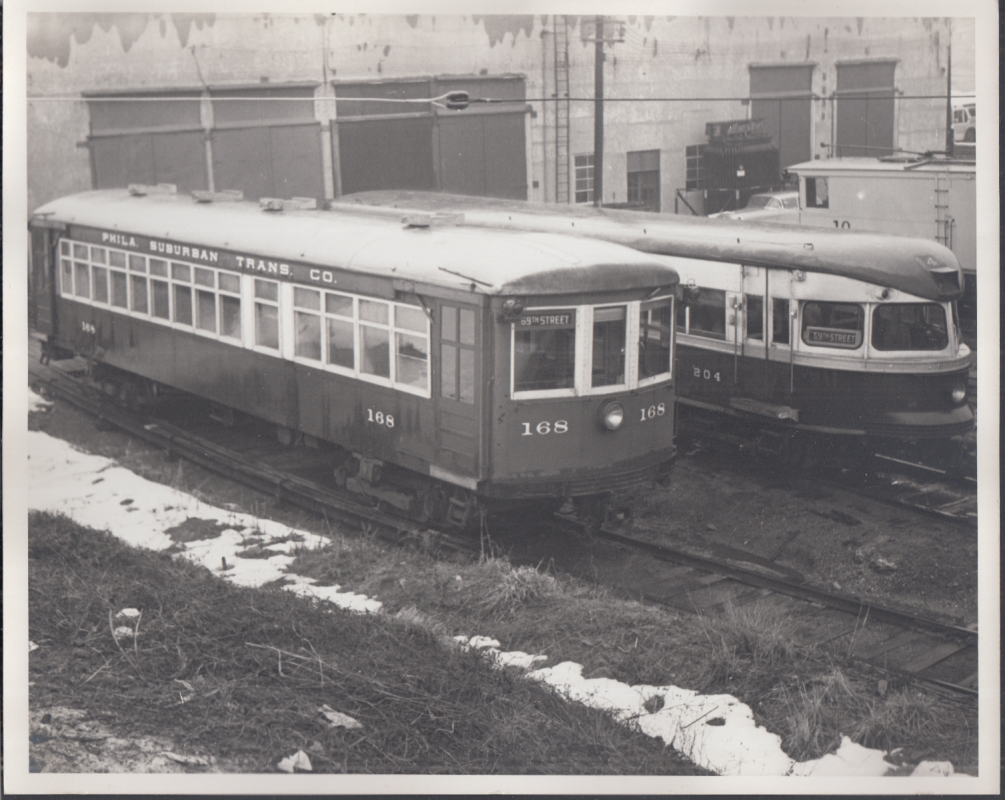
[
  {"x": 965, "y": 123},
  {"x": 764, "y": 206}
]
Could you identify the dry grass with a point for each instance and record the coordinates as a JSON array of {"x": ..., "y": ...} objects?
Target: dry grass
[
  {"x": 819, "y": 709},
  {"x": 750, "y": 639},
  {"x": 240, "y": 673}
]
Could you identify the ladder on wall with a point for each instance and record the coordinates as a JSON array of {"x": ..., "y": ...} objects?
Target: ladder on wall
[
  {"x": 943, "y": 220},
  {"x": 561, "y": 109}
]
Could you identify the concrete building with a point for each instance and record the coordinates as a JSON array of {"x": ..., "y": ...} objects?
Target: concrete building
[{"x": 295, "y": 105}]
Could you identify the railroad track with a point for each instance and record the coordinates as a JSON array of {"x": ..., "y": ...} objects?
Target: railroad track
[
  {"x": 920, "y": 487},
  {"x": 938, "y": 653}
]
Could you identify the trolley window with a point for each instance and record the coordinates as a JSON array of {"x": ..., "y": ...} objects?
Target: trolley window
[
  {"x": 340, "y": 330},
  {"x": 100, "y": 276},
  {"x": 655, "y": 330},
  {"x": 779, "y": 320},
  {"x": 544, "y": 350},
  {"x": 205, "y": 300},
  {"x": 267, "y": 314},
  {"x": 160, "y": 304},
  {"x": 411, "y": 345},
  {"x": 609, "y": 334},
  {"x": 66, "y": 279},
  {"x": 706, "y": 315},
  {"x": 376, "y": 327},
  {"x": 374, "y": 341},
  {"x": 82, "y": 279},
  {"x": 230, "y": 305},
  {"x": 817, "y": 195},
  {"x": 754, "y": 308},
  {"x": 181, "y": 277},
  {"x": 457, "y": 372},
  {"x": 307, "y": 316},
  {"x": 833, "y": 325},
  {"x": 909, "y": 326}
]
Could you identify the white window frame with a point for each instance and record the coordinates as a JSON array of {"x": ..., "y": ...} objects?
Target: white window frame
[
  {"x": 583, "y": 369},
  {"x": 281, "y": 318},
  {"x": 662, "y": 376},
  {"x": 284, "y": 305}
]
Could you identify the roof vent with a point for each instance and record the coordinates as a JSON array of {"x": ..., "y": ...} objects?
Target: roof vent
[
  {"x": 278, "y": 204},
  {"x": 227, "y": 195},
  {"x": 437, "y": 220},
  {"x": 142, "y": 189}
]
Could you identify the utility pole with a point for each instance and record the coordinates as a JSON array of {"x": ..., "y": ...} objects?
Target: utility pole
[
  {"x": 950, "y": 138},
  {"x": 598, "y": 115}
]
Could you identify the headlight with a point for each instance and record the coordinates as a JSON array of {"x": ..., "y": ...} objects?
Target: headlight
[
  {"x": 959, "y": 393},
  {"x": 613, "y": 416}
]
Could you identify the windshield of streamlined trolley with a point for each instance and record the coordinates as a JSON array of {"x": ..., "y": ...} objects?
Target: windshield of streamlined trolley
[{"x": 591, "y": 349}]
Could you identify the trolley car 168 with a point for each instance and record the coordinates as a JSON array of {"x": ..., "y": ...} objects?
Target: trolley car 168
[{"x": 450, "y": 369}]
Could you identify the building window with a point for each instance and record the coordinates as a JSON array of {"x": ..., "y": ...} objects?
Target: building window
[
  {"x": 693, "y": 155},
  {"x": 584, "y": 178},
  {"x": 644, "y": 179}
]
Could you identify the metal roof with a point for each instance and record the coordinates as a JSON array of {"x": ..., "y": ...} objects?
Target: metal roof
[
  {"x": 831, "y": 166},
  {"x": 897, "y": 262},
  {"x": 483, "y": 261}
]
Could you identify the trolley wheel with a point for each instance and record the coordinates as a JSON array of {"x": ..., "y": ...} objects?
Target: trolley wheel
[
  {"x": 970, "y": 135},
  {"x": 592, "y": 511},
  {"x": 346, "y": 468},
  {"x": 432, "y": 503},
  {"x": 128, "y": 395}
]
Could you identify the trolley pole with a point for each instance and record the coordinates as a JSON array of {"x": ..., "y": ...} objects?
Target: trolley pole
[{"x": 598, "y": 115}]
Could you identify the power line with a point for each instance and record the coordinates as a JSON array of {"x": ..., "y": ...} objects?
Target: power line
[{"x": 877, "y": 94}]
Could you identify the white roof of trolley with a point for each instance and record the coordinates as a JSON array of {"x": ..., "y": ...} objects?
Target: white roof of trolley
[
  {"x": 454, "y": 256},
  {"x": 902, "y": 164},
  {"x": 917, "y": 266}
]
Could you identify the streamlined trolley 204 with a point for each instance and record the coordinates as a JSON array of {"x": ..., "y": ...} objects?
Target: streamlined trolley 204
[
  {"x": 450, "y": 369},
  {"x": 811, "y": 343}
]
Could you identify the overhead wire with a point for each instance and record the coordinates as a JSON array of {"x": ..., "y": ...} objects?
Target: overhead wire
[{"x": 870, "y": 94}]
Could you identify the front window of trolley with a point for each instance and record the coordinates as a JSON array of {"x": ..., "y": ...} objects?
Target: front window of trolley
[
  {"x": 544, "y": 346},
  {"x": 591, "y": 349},
  {"x": 910, "y": 327}
]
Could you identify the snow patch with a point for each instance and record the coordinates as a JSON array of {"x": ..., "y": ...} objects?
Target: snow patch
[
  {"x": 37, "y": 402},
  {"x": 717, "y": 732}
]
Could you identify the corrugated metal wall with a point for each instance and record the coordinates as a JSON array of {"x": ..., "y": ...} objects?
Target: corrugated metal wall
[{"x": 265, "y": 140}]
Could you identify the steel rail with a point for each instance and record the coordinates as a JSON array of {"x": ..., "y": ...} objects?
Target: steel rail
[{"x": 758, "y": 577}]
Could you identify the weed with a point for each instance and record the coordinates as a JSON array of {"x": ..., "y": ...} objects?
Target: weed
[
  {"x": 502, "y": 588},
  {"x": 897, "y": 719},
  {"x": 751, "y": 643}
]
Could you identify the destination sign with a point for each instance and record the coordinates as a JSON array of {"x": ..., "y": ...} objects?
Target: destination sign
[
  {"x": 832, "y": 337},
  {"x": 543, "y": 320}
]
